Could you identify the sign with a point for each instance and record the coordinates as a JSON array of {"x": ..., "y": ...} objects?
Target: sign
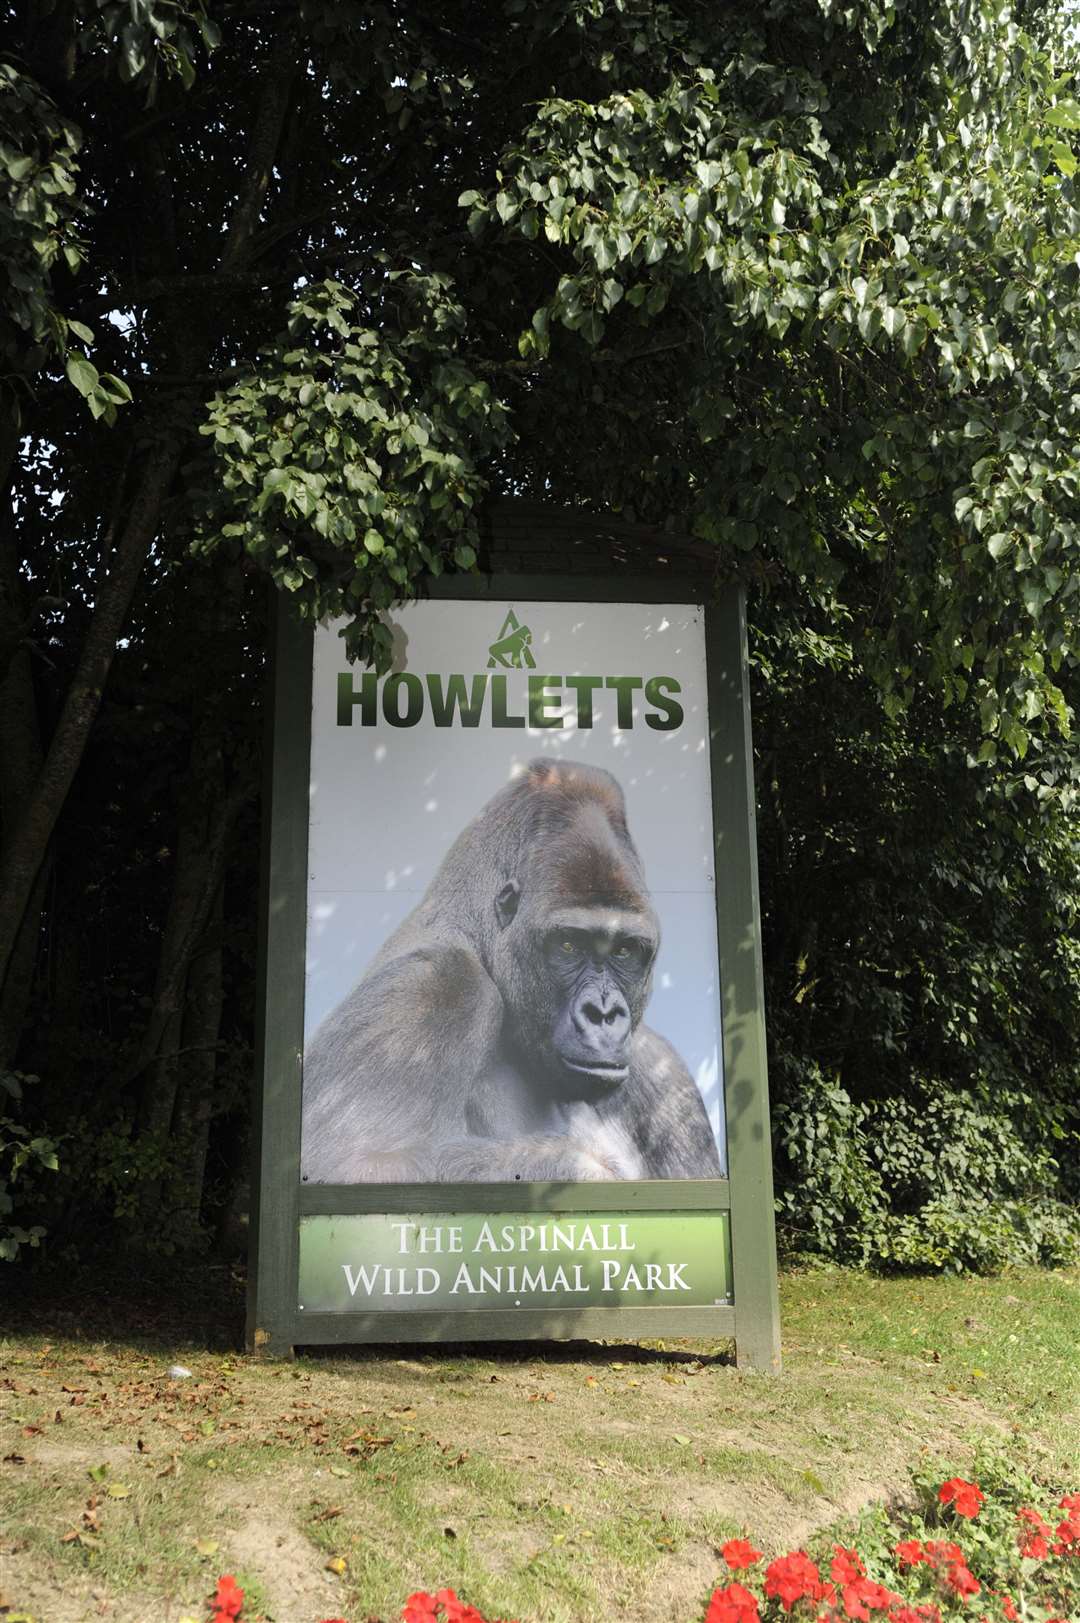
[
  {"x": 513, "y": 1041},
  {"x": 506, "y": 1259},
  {"x": 511, "y": 945}
]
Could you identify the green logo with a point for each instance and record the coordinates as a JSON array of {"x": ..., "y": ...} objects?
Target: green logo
[{"x": 512, "y": 648}]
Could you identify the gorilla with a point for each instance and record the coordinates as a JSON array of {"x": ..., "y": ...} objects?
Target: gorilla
[{"x": 497, "y": 1034}]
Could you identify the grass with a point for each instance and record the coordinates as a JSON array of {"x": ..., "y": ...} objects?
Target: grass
[{"x": 553, "y": 1485}]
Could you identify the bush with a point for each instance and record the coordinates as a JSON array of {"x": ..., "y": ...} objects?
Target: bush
[
  {"x": 20, "y": 1153},
  {"x": 935, "y": 1179}
]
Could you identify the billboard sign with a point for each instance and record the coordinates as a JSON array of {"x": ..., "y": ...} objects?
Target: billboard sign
[
  {"x": 503, "y": 974},
  {"x": 511, "y": 968}
]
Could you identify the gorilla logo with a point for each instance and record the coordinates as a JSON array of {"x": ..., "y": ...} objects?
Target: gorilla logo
[
  {"x": 513, "y": 646},
  {"x": 497, "y": 1034}
]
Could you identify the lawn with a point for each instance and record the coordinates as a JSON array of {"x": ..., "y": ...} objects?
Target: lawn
[{"x": 557, "y": 1485}]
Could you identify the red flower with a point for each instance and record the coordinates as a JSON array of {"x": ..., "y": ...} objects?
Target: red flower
[
  {"x": 732, "y": 1605},
  {"x": 739, "y": 1552},
  {"x": 958, "y": 1578},
  {"x": 1067, "y": 1533},
  {"x": 790, "y": 1577},
  {"x": 910, "y": 1553},
  {"x": 939, "y": 1552},
  {"x": 847, "y": 1565},
  {"x": 1008, "y": 1606},
  {"x": 228, "y": 1599},
  {"x": 420, "y": 1608},
  {"x": 965, "y": 1497},
  {"x": 1033, "y": 1534},
  {"x": 864, "y": 1596}
]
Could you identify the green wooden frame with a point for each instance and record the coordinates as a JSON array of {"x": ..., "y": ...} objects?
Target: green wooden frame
[{"x": 279, "y": 1200}]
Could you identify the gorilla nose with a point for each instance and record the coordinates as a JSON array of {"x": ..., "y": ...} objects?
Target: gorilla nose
[
  {"x": 604, "y": 1014},
  {"x": 602, "y": 1021}
]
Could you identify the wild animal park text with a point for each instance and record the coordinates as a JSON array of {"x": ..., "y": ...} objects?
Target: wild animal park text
[{"x": 392, "y": 1262}]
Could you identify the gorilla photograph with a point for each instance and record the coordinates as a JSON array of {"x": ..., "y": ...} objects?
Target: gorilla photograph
[{"x": 499, "y": 1033}]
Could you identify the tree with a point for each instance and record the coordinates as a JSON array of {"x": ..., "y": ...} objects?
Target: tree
[{"x": 297, "y": 288}]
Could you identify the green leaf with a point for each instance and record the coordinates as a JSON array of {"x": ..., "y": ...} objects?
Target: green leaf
[
  {"x": 82, "y": 373},
  {"x": 117, "y": 389}
]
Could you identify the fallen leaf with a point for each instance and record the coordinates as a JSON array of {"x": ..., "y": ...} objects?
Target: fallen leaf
[
  {"x": 340, "y": 1470},
  {"x": 678, "y": 1437},
  {"x": 329, "y": 1514},
  {"x": 449, "y": 1532},
  {"x": 338, "y": 1565},
  {"x": 206, "y": 1546},
  {"x": 118, "y": 1490},
  {"x": 98, "y": 1473}
]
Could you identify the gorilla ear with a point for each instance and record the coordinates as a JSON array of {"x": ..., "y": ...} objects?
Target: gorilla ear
[{"x": 506, "y": 903}]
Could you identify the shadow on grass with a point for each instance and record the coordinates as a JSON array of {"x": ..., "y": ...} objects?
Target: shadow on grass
[
  {"x": 160, "y": 1306},
  {"x": 153, "y": 1304},
  {"x": 527, "y": 1352}
]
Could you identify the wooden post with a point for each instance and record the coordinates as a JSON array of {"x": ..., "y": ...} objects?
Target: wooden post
[{"x": 746, "y": 1083}]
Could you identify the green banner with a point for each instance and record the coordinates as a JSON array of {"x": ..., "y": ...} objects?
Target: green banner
[{"x": 471, "y": 1260}]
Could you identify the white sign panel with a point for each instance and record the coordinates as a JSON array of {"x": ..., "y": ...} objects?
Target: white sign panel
[{"x": 511, "y": 949}]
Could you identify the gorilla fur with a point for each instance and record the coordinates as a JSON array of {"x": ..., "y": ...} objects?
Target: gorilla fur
[{"x": 497, "y": 1034}]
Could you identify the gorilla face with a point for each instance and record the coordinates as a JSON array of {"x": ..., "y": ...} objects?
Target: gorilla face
[
  {"x": 577, "y": 938},
  {"x": 598, "y": 964}
]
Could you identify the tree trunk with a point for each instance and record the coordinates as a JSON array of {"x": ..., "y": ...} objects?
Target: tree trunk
[
  {"x": 199, "y": 1061},
  {"x": 26, "y": 842},
  {"x": 20, "y": 763}
]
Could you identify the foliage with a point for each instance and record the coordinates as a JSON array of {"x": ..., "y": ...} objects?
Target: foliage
[
  {"x": 20, "y": 1152},
  {"x": 921, "y": 944},
  {"x": 356, "y": 440},
  {"x": 937, "y": 1179},
  {"x": 801, "y": 283},
  {"x": 39, "y": 213}
]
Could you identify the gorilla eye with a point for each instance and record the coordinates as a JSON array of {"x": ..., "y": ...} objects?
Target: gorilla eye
[{"x": 566, "y": 945}]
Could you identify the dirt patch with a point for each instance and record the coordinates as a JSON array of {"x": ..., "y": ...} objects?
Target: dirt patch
[
  {"x": 684, "y": 1583},
  {"x": 289, "y": 1569}
]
